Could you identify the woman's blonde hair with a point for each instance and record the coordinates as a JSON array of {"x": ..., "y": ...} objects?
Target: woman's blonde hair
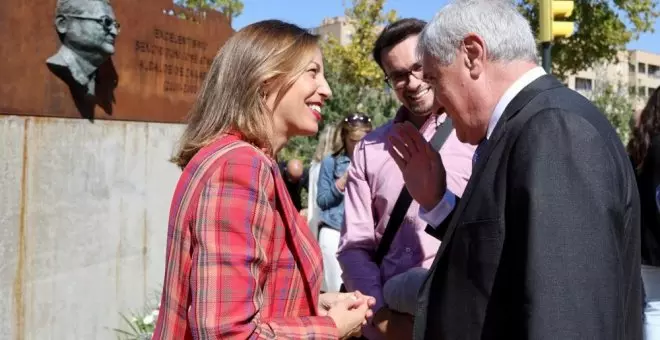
[
  {"x": 353, "y": 124},
  {"x": 261, "y": 58},
  {"x": 326, "y": 143}
]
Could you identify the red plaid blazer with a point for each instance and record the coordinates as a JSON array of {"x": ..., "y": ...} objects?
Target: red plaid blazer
[{"x": 241, "y": 262}]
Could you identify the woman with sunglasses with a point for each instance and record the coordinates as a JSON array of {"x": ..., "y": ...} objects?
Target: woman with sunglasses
[
  {"x": 241, "y": 262},
  {"x": 330, "y": 193}
]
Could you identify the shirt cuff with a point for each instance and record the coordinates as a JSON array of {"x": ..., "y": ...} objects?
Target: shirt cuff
[
  {"x": 437, "y": 215},
  {"x": 335, "y": 191}
]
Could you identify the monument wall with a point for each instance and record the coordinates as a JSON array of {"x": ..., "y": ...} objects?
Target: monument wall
[{"x": 84, "y": 173}]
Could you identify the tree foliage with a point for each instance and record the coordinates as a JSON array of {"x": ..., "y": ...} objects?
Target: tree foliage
[
  {"x": 601, "y": 31},
  {"x": 617, "y": 105},
  {"x": 231, "y": 8},
  {"x": 353, "y": 63}
]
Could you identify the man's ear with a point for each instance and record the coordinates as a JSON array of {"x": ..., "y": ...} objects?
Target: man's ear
[
  {"x": 61, "y": 24},
  {"x": 476, "y": 54}
]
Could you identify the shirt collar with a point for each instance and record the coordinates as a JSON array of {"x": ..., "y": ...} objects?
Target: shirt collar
[
  {"x": 511, "y": 93},
  {"x": 74, "y": 62}
]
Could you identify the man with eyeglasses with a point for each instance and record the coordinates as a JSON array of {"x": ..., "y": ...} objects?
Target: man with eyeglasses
[
  {"x": 87, "y": 30},
  {"x": 375, "y": 182}
]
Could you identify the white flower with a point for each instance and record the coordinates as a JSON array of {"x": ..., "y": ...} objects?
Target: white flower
[{"x": 148, "y": 320}]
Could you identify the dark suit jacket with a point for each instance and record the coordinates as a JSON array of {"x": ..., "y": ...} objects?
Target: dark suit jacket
[{"x": 545, "y": 242}]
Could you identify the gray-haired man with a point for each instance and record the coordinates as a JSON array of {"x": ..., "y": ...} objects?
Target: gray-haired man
[{"x": 545, "y": 241}]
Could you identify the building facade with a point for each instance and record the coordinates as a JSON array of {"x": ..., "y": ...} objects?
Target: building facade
[
  {"x": 637, "y": 74},
  {"x": 337, "y": 27}
]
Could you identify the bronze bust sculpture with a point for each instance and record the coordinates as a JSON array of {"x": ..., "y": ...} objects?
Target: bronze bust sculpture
[{"x": 87, "y": 30}]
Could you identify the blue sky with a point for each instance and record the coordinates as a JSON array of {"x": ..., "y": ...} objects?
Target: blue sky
[{"x": 310, "y": 13}]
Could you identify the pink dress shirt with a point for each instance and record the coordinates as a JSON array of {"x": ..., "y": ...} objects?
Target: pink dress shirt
[{"x": 374, "y": 183}]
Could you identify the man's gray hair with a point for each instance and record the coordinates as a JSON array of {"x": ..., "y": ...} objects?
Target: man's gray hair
[
  {"x": 507, "y": 34},
  {"x": 74, "y": 7}
]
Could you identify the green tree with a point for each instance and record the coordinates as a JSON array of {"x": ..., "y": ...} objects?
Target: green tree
[
  {"x": 617, "y": 105},
  {"x": 353, "y": 63},
  {"x": 601, "y": 31},
  {"x": 377, "y": 102},
  {"x": 231, "y": 8}
]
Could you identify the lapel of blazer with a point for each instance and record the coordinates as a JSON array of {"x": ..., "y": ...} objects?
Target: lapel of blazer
[
  {"x": 301, "y": 241},
  {"x": 298, "y": 237}
]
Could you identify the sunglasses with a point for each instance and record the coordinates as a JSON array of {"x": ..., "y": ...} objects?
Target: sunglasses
[
  {"x": 357, "y": 118},
  {"x": 105, "y": 21}
]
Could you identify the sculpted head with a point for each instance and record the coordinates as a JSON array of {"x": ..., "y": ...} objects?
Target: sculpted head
[{"x": 88, "y": 28}]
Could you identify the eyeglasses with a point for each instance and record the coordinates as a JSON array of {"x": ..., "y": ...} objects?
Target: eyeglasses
[
  {"x": 106, "y": 21},
  {"x": 398, "y": 80},
  {"x": 357, "y": 118}
]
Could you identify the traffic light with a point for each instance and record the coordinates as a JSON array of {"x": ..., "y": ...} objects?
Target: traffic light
[{"x": 550, "y": 10}]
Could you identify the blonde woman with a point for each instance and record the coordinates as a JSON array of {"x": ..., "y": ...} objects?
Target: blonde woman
[
  {"x": 241, "y": 262},
  {"x": 323, "y": 148},
  {"x": 330, "y": 195}
]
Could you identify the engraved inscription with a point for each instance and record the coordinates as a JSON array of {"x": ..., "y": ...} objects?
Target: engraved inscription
[{"x": 180, "y": 59}]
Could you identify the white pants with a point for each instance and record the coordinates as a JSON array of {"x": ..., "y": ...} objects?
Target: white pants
[
  {"x": 329, "y": 242},
  {"x": 651, "y": 277}
]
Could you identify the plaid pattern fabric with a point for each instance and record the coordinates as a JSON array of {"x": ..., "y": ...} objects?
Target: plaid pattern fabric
[{"x": 240, "y": 263}]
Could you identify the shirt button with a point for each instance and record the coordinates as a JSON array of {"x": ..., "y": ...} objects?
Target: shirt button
[{"x": 408, "y": 250}]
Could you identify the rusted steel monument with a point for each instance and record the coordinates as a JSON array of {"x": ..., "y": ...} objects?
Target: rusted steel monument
[{"x": 154, "y": 56}]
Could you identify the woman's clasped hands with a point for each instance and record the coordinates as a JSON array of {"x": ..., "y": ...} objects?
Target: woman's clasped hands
[{"x": 349, "y": 311}]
